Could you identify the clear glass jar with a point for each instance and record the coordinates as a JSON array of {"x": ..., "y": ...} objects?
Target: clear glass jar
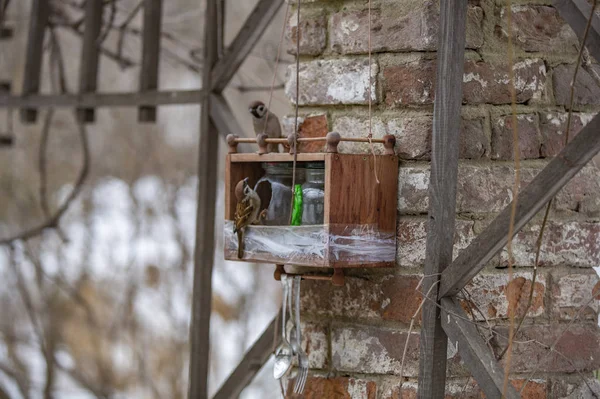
[
  {"x": 313, "y": 194},
  {"x": 276, "y": 185}
]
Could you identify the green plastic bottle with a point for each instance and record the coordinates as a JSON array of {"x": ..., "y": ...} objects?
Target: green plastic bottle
[{"x": 297, "y": 206}]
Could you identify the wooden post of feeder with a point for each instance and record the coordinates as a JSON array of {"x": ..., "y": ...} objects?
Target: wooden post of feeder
[
  {"x": 232, "y": 143},
  {"x": 333, "y": 139}
]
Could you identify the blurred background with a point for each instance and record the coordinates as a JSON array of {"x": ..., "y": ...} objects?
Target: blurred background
[{"x": 101, "y": 306}]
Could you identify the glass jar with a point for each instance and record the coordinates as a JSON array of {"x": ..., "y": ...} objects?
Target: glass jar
[
  {"x": 313, "y": 194},
  {"x": 275, "y": 187}
]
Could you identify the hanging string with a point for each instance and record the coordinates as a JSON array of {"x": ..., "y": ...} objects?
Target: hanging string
[
  {"x": 370, "y": 135},
  {"x": 296, "y": 130},
  {"x": 285, "y": 20}
]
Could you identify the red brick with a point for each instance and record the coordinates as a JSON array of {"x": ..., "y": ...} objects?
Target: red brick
[
  {"x": 538, "y": 28},
  {"x": 579, "y": 345},
  {"x": 502, "y": 137},
  {"x": 337, "y": 388},
  {"x": 383, "y": 298},
  {"x": 412, "y": 238},
  {"x": 489, "y": 293},
  {"x": 572, "y": 293},
  {"x": 489, "y": 83},
  {"x": 412, "y": 83},
  {"x": 313, "y": 125},
  {"x": 553, "y": 127},
  {"x": 333, "y": 81},
  {"x": 587, "y": 91},
  {"x": 368, "y": 349},
  {"x": 413, "y": 26},
  {"x": 582, "y": 193},
  {"x": 565, "y": 243},
  {"x": 313, "y": 33}
]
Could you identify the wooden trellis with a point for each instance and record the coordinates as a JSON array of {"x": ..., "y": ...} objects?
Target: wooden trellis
[{"x": 444, "y": 278}]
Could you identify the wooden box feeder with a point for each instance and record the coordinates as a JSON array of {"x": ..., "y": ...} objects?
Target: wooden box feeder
[{"x": 359, "y": 227}]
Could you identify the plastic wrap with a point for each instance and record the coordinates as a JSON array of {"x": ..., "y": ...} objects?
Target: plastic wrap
[{"x": 314, "y": 245}]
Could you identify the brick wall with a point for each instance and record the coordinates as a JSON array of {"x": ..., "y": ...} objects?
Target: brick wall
[{"x": 356, "y": 334}]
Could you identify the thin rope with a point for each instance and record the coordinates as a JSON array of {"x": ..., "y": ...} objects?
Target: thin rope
[
  {"x": 296, "y": 130},
  {"x": 370, "y": 135},
  {"x": 285, "y": 18},
  {"x": 513, "y": 212}
]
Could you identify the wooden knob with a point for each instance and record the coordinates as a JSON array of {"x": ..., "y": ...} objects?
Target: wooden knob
[
  {"x": 292, "y": 142},
  {"x": 261, "y": 140},
  {"x": 333, "y": 139},
  {"x": 389, "y": 142},
  {"x": 338, "y": 278},
  {"x": 232, "y": 143}
]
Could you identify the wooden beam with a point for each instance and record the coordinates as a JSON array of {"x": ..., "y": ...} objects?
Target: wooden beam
[
  {"x": 442, "y": 191},
  {"x": 88, "y": 68},
  {"x": 221, "y": 12},
  {"x": 38, "y": 21},
  {"x": 544, "y": 186},
  {"x": 95, "y": 100},
  {"x": 243, "y": 43},
  {"x": 251, "y": 363},
  {"x": 576, "y": 13},
  {"x": 473, "y": 351},
  {"x": 150, "y": 55},
  {"x": 205, "y": 222},
  {"x": 223, "y": 116}
]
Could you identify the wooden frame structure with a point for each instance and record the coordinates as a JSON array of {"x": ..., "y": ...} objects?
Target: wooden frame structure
[{"x": 444, "y": 277}]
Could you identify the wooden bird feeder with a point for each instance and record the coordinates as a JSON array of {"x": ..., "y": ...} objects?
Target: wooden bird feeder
[{"x": 359, "y": 226}]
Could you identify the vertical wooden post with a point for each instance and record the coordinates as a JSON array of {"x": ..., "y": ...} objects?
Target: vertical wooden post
[
  {"x": 205, "y": 221},
  {"x": 442, "y": 191},
  {"x": 88, "y": 69},
  {"x": 221, "y": 9},
  {"x": 150, "y": 55},
  {"x": 35, "y": 47}
]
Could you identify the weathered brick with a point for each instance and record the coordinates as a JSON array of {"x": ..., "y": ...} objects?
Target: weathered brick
[
  {"x": 587, "y": 91},
  {"x": 579, "y": 346},
  {"x": 413, "y": 136},
  {"x": 315, "y": 344},
  {"x": 553, "y": 127},
  {"x": 313, "y": 125},
  {"x": 313, "y": 34},
  {"x": 582, "y": 193},
  {"x": 376, "y": 350},
  {"x": 337, "y": 388},
  {"x": 565, "y": 243},
  {"x": 393, "y": 298},
  {"x": 573, "y": 387},
  {"x": 335, "y": 81},
  {"x": 409, "y": 83},
  {"x": 489, "y": 83},
  {"x": 412, "y": 83},
  {"x": 538, "y": 28},
  {"x": 412, "y": 238},
  {"x": 490, "y": 293},
  {"x": 462, "y": 389},
  {"x": 572, "y": 296},
  {"x": 502, "y": 137},
  {"x": 484, "y": 189},
  {"x": 410, "y": 26},
  {"x": 413, "y": 183}
]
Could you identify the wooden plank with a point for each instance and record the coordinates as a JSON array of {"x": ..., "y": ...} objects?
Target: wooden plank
[
  {"x": 150, "y": 54},
  {"x": 244, "y": 42},
  {"x": 544, "y": 186},
  {"x": 442, "y": 191},
  {"x": 221, "y": 10},
  {"x": 277, "y": 157},
  {"x": 353, "y": 198},
  {"x": 473, "y": 351},
  {"x": 576, "y": 13},
  {"x": 95, "y": 100},
  {"x": 251, "y": 363},
  {"x": 88, "y": 68},
  {"x": 208, "y": 153},
  {"x": 38, "y": 21}
]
